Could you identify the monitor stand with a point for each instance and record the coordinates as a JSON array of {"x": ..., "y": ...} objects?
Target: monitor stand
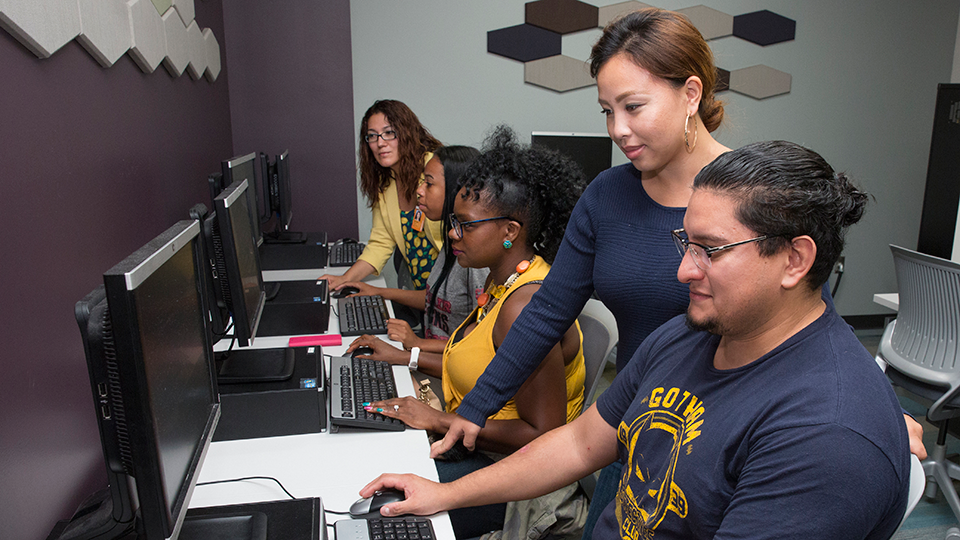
[
  {"x": 254, "y": 365},
  {"x": 295, "y": 519}
]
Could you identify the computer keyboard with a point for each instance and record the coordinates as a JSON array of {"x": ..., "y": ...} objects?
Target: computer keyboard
[
  {"x": 355, "y": 381},
  {"x": 398, "y": 528},
  {"x": 362, "y": 315},
  {"x": 345, "y": 254}
]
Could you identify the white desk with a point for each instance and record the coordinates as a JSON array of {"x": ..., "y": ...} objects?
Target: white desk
[
  {"x": 332, "y": 466},
  {"x": 888, "y": 300}
]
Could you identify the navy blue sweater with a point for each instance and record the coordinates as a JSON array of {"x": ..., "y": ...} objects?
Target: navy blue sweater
[{"x": 617, "y": 242}]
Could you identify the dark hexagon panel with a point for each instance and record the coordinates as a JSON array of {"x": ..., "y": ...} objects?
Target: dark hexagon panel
[
  {"x": 764, "y": 27},
  {"x": 524, "y": 42},
  {"x": 562, "y": 16}
]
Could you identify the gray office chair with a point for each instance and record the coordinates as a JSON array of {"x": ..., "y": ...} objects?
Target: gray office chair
[
  {"x": 922, "y": 352},
  {"x": 600, "y": 335}
]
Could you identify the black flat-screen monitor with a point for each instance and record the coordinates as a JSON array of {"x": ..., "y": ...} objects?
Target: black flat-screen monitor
[
  {"x": 238, "y": 260},
  {"x": 246, "y": 168},
  {"x": 149, "y": 359},
  {"x": 592, "y": 151},
  {"x": 280, "y": 201}
]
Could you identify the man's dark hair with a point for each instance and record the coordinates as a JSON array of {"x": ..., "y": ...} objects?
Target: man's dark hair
[{"x": 785, "y": 191}]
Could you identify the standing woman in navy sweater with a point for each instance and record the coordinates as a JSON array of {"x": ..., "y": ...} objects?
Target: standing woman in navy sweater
[
  {"x": 655, "y": 82},
  {"x": 655, "y": 79}
]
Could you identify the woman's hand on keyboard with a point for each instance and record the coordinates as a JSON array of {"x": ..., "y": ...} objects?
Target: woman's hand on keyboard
[
  {"x": 412, "y": 412},
  {"x": 381, "y": 350}
]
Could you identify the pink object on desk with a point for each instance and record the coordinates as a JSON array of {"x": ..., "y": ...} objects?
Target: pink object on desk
[{"x": 328, "y": 340}]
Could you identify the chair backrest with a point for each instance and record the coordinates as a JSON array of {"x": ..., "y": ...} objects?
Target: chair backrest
[
  {"x": 600, "y": 334},
  {"x": 923, "y": 341},
  {"x": 918, "y": 481}
]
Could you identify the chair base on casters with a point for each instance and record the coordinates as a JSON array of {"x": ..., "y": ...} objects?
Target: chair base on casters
[{"x": 943, "y": 472}]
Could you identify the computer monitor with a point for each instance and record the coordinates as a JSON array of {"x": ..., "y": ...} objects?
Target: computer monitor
[
  {"x": 238, "y": 260},
  {"x": 280, "y": 197},
  {"x": 245, "y": 168},
  {"x": 592, "y": 151},
  {"x": 151, "y": 372}
]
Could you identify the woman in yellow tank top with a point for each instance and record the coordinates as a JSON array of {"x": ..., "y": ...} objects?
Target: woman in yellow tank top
[{"x": 509, "y": 216}]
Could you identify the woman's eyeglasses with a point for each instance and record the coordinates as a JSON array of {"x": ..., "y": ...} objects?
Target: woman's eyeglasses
[
  {"x": 387, "y": 135},
  {"x": 457, "y": 226}
]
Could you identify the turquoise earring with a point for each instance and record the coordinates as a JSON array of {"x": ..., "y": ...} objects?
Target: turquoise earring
[{"x": 507, "y": 244}]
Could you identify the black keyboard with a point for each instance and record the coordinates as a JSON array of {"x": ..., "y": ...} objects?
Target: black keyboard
[
  {"x": 345, "y": 254},
  {"x": 362, "y": 315},
  {"x": 381, "y": 528},
  {"x": 355, "y": 381}
]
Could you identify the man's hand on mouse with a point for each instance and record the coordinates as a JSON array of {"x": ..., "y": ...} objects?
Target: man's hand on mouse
[
  {"x": 381, "y": 350},
  {"x": 460, "y": 428},
  {"x": 423, "y": 497}
]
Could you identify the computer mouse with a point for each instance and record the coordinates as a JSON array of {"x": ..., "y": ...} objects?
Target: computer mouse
[
  {"x": 365, "y": 351},
  {"x": 344, "y": 292},
  {"x": 370, "y": 506}
]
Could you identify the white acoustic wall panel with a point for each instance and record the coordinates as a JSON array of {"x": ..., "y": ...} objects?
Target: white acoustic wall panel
[
  {"x": 43, "y": 26},
  {"x": 197, "y": 50},
  {"x": 213, "y": 54},
  {"x": 177, "y": 55},
  {"x": 149, "y": 38},
  {"x": 105, "y": 30},
  {"x": 162, "y": 5},
  {"x": 186, "y": 10}
]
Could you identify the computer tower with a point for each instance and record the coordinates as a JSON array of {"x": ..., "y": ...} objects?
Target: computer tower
[{"x": 941, "y": 198}]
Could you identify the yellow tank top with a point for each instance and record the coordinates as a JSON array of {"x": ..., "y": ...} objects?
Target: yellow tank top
[{"x": 465, "y": 360}]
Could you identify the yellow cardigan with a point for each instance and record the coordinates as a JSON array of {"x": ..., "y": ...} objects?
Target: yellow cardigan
[{"x": 386, "y": 233}]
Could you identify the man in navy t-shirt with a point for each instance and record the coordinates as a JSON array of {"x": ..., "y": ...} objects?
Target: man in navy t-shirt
[{"x": 758, "y": 414}]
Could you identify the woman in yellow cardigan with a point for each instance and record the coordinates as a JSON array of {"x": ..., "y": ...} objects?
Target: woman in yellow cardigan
[
  {"x": 509, "y": 217},
  {"x": 394, "y": 147}
]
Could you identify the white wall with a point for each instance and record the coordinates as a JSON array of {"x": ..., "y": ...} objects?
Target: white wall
[
  {"x": 955, "y": 78},
  {"x": 864, "y": 88}
]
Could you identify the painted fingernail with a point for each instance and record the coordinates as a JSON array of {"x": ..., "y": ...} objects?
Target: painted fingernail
[
  {"x": 367, "y": 408},
  {"x": 379, "y": 409},
  {"x": 365, "y": 403}
]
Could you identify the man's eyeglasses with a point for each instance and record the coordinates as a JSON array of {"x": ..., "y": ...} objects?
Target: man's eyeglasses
[
  {"x": 457, "y": 226},
  {"x": 387, "y": 135},
  {"x": 701, "y": 254}
]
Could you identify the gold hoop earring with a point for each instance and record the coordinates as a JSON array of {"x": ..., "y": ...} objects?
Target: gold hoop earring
[{"x": 686, "y": 133}]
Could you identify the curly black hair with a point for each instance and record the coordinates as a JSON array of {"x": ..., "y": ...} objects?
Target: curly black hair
[{"x": 535, "y": 185}]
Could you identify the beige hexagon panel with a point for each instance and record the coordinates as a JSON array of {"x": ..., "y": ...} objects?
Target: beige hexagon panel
[{"x": 152, "y": 32}]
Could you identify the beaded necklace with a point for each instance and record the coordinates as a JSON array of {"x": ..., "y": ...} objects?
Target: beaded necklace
[{"x": 488, "y": 299}]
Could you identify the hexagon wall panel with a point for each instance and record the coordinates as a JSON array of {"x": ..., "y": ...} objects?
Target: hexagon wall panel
[
  {"x": 764, "y": 27},
  {"x": 561, "y": 16},
  {"x": 105, "y": 30},
  {"x": 760, "y": 81},
  {"x": 607, "y": 14},
  {"x": 43, "y": 26},
  {"x": 213, "y": 55},
  {"x": 109, "y": 28},
  {"x": 560, "y": 73},
  {"x": 186, "y": 11},
  {"x": 197, "y": 51},
  {"x": 524, "y": 42},
  {"x": 177, "y": 55},
  {"x": 711, "y": 23},
  {"x": 149, "y": 39}
]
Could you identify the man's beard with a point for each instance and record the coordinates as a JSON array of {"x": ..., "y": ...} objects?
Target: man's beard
[{"x": 708, "y": 325}]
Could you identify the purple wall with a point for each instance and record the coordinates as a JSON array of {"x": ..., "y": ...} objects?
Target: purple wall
[
  {"x": 93, "y": 164},
  {"x": 291, "y": 88}
]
